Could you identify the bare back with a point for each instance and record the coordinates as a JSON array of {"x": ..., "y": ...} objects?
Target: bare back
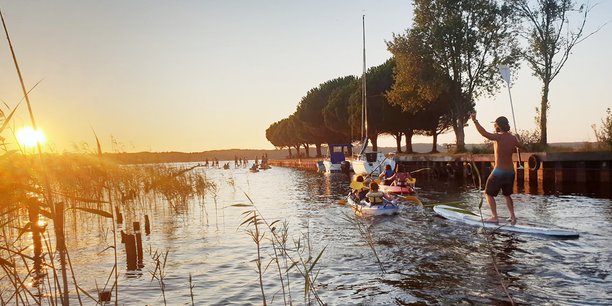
[{"x": 504, "y": 145}]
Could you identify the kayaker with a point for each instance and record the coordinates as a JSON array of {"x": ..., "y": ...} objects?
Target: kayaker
[
  {"x": 374, "y": 196},
  {"x": 388, "y": 176},
  {"x": 360, "y": 189},
  {"x": 402, "y": 179},
  {"x": 502, "y": 176}
]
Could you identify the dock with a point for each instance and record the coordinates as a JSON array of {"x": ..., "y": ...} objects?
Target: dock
[{"x": 535, "y": 172}]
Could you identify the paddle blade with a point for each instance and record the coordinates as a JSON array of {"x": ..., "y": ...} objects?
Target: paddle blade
[
  {"x": 412, "y": 199},
  {"x": 356, "y": 185}
]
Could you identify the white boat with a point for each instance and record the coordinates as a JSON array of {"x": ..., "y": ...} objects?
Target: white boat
[
  {"x": 336, "y": 158},
  {"x": 368, "y": 162},
  {"x": 364, "y": 208},
  {"x": 371, "y": 163}
]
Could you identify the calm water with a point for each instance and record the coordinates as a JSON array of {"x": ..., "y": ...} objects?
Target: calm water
[{"x": 426, "y": 259}]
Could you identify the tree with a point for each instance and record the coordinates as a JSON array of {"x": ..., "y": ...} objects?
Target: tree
[
  {"x": 464, "y": 40},
  {"x": 604, "y": 134},
  {"x": 550, "y": 43},
  {"x": 337, "y": 113},
  {"x": 421, "y": 89},
  {"x": 383, "y": 117},
  {"x": 310, "y": 111}
]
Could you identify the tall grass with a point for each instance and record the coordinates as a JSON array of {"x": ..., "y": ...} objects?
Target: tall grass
[
  {"x": 299, "y": 257},
  {"x": 82, "y": 183}
]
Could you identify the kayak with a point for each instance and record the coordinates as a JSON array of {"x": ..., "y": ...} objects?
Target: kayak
[
  {"x": 363, "y": 208},
  {"x": 396, "y": 189},
  {"x": 470, "y": 218}
]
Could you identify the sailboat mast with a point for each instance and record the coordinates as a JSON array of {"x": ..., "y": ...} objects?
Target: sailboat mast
[{"x": 364, "y": 99}]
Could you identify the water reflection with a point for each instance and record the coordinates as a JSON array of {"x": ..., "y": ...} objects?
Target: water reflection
[{"x": 426, "y": 259}]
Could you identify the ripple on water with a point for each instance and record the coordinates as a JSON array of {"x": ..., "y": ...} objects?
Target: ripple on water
[{"x": 426, "y": 259}]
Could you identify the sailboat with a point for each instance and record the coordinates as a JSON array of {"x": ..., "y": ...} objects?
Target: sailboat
[{"x": 368, "y": 162}]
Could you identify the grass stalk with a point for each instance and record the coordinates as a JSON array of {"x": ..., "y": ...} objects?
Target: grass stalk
[
  {"x": 488, "y": 237},
  {"x": 49, "y": 199}
]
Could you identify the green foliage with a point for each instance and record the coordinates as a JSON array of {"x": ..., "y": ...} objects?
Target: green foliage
[
  {"x": 604, "y": 133},
  {"x": 486, "y": 148},
  {"x": 530, "y": 141},
  {"x": 550, "y": 39},
  {"x": 450, "y": 55}
]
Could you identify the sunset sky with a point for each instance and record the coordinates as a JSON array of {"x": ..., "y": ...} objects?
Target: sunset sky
[{"x": 205, "y": 75}]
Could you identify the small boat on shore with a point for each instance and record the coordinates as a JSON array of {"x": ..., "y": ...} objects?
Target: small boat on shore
[{"x": 364, "y": 208}]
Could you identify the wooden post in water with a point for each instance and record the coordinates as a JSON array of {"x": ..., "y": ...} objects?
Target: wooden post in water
[
  {"x": 581, "y": 172},
  {"x": 104, "y": 296},
  {"x": 558, "y": 174},
  {"x": 130, "y": 252},
  {"x": 119, "y": 215},
  {"x": 138, "y": 235},
  {"x": 147, "y": 226},
  {"x": 605, "y": 173}
]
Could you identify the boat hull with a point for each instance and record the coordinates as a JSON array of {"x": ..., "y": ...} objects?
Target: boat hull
[
  {"x": 397, "y": 189},
  {"x": 363, "y": 208},
  {"x": 373, "y": 166},
  {"x": 337, "y": 167}
]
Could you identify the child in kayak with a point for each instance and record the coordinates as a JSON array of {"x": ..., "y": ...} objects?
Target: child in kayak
[
  {"x": 375, "y": 197},
  {"x": 360, "y": 188}
]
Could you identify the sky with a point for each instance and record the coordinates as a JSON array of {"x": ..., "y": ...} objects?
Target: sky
[{"x": 204, "y": 75}]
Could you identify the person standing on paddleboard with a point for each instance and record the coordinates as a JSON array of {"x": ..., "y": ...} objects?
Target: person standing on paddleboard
[{"x": 502, "y": 176}]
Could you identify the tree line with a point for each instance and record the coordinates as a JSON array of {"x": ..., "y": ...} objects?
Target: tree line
[{"x": 439, "y": 68}]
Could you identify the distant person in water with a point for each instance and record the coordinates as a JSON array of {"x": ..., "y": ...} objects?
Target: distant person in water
[
  {"x": 502, "y": 176},
  {"x": 388, "y": 175}
]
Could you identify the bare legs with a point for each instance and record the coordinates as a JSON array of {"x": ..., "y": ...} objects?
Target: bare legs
[
  {"x": 510, "y": 205},
  {"x": 493, "y": 207}
]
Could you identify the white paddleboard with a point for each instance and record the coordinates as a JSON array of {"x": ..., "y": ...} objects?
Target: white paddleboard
[{"x": 467, "y": 217}]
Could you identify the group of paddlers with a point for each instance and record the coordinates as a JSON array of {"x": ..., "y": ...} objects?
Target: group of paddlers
[{"x": 364, "y": 188}]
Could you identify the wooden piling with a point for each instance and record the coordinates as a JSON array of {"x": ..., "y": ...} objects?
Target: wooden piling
[
  {"x": 147, "y": 226},
  {"x": 130, "y": 252},
  {"x": 138, "y": 235},
  {"x": 118, "y": 215},
  {"x": 104, "y": 296}
]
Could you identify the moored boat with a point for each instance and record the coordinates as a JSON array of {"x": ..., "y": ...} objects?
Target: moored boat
[
  {"x": 371, "y": 163},
  {"x": 336, "y": 160}
]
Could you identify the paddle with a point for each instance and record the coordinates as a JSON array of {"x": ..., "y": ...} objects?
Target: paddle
[
  {"x": 410, "y": 198},
  {"x": 419, "y": 170},
  {"x": 357, "y": 185},
  {"x": 505, "y": 73}
]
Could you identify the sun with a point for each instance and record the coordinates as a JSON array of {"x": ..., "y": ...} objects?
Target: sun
[{"x": 28, "y": 137}]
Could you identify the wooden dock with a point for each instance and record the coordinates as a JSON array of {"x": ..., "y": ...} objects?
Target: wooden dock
[{"x": 538, "y": 170}]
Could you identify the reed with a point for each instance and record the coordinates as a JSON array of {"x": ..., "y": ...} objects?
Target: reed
[
  {"x": 159, "y": 273},
  {"x": 300, "y": 257},
  {"x": 366, "y": 234},
  {"x": 488, "y": 238}
]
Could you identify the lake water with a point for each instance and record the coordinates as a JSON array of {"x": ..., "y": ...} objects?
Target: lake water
[{"x": 424, "y": 259}]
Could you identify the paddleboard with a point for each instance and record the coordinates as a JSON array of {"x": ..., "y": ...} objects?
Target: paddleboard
[{"x": 467, "y": 217}]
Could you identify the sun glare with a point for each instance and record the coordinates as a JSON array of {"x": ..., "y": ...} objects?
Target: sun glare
[{"x": 28, "y": 137}]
